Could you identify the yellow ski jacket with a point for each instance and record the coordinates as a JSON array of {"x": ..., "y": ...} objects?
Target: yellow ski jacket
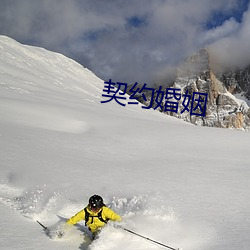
[{"x": 94, "y": 223}]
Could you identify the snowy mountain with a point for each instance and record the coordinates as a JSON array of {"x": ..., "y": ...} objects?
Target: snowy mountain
[
  {"x": 223, "y": 108},
  {"x": 237, "y": 81},
  {"x": 183, "y": 185}
]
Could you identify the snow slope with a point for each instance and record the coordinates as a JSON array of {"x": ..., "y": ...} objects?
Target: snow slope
[{"x": 176, "y": 183}]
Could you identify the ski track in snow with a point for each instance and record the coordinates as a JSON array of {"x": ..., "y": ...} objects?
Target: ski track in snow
[{"x": 42, "y": 116}]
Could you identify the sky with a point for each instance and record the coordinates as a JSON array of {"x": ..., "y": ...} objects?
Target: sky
[{"x": 134, "y": 40}]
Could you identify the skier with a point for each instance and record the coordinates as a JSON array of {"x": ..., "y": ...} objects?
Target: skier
[{"x": 95, "y": 214}]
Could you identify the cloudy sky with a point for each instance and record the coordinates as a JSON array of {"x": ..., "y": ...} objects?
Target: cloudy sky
[{"x": 131, "y": 40}]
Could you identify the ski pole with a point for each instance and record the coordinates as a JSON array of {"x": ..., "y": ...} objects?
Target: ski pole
[
  {"x": 146, "y": 238},
  {"x": 45, "y": 228}
]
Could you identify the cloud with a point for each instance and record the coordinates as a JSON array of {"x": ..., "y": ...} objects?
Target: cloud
[
  {"x": 233, "y": 49},
  {"x": 228, "y": 28},
  {"x": 126, "y": 41}
]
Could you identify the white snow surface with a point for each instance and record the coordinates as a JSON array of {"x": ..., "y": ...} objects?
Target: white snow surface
[{"x": 182, "y": 185}]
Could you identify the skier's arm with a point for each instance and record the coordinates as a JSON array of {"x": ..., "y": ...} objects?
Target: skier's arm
[
  {"x": 110, "y": 214},
  {"x": 77, "y": 217}
]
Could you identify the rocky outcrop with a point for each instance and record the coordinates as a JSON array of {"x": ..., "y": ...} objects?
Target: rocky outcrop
[
  {"x": 237, "y": 81},
  {"x": 222, "y": 108}
]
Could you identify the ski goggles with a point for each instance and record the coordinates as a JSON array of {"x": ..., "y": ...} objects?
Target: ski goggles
[{"x": 94, "y": 208}]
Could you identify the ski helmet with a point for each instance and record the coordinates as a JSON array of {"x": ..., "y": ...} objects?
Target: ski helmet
[{"x": 95, "y": 202}]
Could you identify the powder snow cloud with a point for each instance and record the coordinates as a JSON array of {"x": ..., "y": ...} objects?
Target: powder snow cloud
[{"x": 134, "y": 40}]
